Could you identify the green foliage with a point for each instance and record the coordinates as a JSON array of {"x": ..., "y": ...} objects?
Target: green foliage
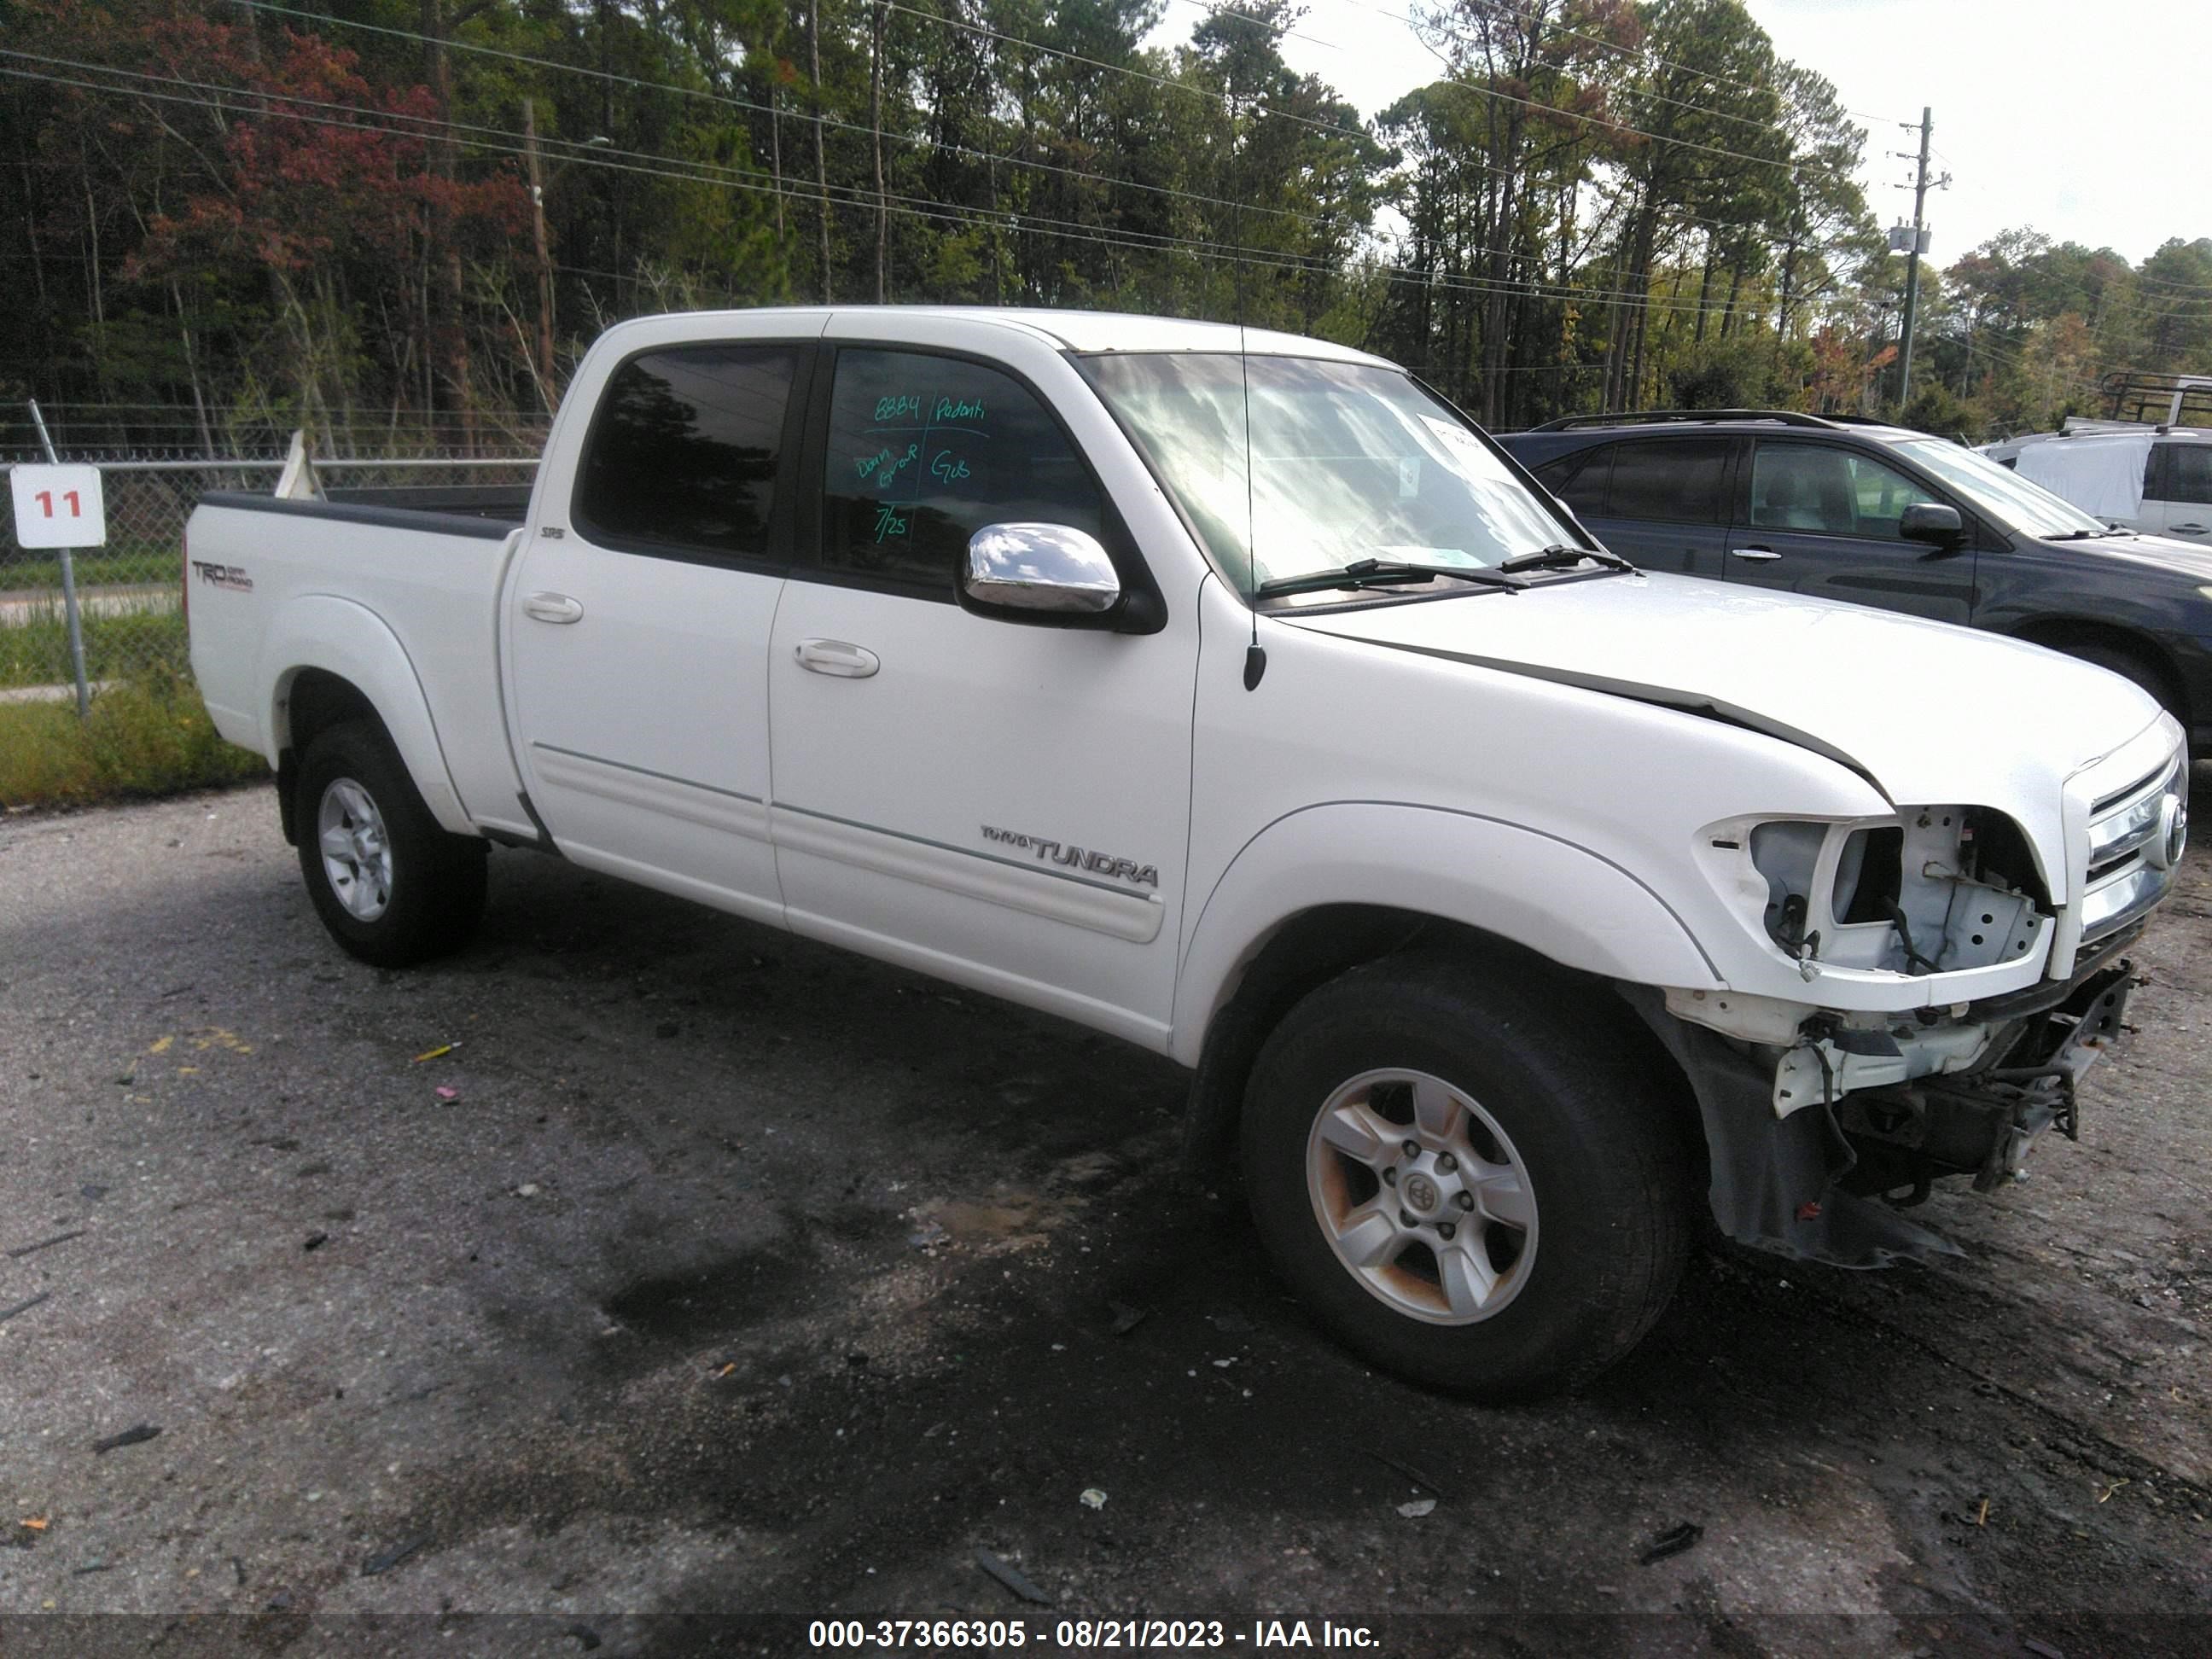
[
  {"x": 148, "y": 736},
  {"x": 1936, "y": 409},
  {"x": 323, "y": 215}
]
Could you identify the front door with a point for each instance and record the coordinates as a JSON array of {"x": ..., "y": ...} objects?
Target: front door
[
  {"x": 640, "y": 615},
  {"x": 998, "y": 803},
  {"x": 1823, "y": 520}
]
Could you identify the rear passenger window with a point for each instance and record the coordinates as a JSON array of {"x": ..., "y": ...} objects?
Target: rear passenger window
[
  {"x": 2189, "y": 473},
  {"x": 924, "y": 452},
  {"x": 683, "y": 453},
  {"x": 1675, "y": 479}
]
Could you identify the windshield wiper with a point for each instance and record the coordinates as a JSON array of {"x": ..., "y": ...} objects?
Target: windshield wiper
[
  {"x": 1383, "y": 572},
  {"x": 1559, "y": 556}
]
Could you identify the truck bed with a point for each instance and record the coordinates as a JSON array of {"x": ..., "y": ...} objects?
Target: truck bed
[{"x": 275, "y": 584}]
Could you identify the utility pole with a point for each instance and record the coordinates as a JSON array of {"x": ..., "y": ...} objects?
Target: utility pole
[
  {"x": 545, "y": 255},
  {"x": 1915, "y": 243}
]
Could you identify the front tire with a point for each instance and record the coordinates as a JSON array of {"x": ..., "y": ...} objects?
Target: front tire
[
  {"x": 392, "y": 887},
  {"x": 1465, "y": 1180}
]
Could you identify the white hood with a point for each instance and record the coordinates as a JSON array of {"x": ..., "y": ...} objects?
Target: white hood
[{"x": 1931, "y": 714}]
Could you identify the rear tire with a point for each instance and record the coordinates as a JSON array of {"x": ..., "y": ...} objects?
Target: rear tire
[
  {"x": 1546, "y": 1183},
  {"x": 392, "y": 887}
]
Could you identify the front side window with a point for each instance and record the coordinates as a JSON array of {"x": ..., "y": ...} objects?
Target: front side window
[
  {"x": 924, "y": 452},
  {"x": 1289, "y": 467},
  {"x": 1829, "y": 492},
  {"x": 1678, "y": 480},
  {"x": 2189, "y": 473},
  {"x": 683, "y": 451},
  {"x": 1580, "y": 480}
]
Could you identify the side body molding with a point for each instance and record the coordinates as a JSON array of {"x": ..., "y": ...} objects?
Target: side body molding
[
  {"x": 320, "y": 630},
  {"x": 1550, "y": 895}
]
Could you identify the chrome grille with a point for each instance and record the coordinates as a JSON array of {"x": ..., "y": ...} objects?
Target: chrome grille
[{"x": 2135, "y": 841}]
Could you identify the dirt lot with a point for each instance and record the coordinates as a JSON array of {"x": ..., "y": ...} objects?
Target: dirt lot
[{"x": 713, "y": 1272}]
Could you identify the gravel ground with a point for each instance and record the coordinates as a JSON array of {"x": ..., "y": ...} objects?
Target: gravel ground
[{"x": 710, "y": 1272}]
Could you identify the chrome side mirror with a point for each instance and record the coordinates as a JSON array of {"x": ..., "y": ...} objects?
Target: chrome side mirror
[{"x": 1038, "y": 572}]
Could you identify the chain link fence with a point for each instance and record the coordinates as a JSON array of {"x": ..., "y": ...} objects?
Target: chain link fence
[{"x": 130, "y": 591}]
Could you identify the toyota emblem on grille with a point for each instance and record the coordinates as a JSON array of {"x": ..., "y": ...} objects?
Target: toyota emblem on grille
[{"x": 2165, "y": 848}]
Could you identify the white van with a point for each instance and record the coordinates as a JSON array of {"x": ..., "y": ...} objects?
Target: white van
[{"x": 2157, "y": 480}]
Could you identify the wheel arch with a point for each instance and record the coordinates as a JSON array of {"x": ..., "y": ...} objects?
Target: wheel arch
[
  {"x": 334, "y": 661},
  {"x": 1375, "y": 881}
]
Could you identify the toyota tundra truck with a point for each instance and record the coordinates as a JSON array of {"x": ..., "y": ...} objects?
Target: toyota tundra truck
[{"x": 1231, "y": 693}]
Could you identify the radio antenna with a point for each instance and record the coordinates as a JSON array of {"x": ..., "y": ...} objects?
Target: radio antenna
[{"x": 1256, "y": 659}]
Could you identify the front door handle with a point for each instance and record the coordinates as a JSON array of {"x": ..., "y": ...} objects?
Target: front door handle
[
  {"x": 2190, "y": 529},
  {"x": 552, "y": 608},
  {"x": 845, "y": 660},
  {"x": 1756, "y": 554}
]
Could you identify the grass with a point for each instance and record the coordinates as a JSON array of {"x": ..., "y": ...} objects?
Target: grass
[
  {"x": 36, "y": 652},
  {"x": 147, "y": 736},
  {"x": 129, "y": 564}
]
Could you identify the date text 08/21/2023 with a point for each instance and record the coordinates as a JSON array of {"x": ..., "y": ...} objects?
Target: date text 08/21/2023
[{"x": 1010, "y": 1634}]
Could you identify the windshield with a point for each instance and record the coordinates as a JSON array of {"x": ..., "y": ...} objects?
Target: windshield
[
  {"x": 2002, "y": 492},
  {"x": 1349, "y": 462}
]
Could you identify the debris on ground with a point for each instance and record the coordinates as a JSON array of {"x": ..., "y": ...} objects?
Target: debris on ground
[
  {"x": 384, "y": 1560},
  {"x": 136, "y": 1435},
  {"x": 1418, "y": 1508},
  {"x": 1127, "y": 1318},
  {"x": 1427, "y": 1483},
  {"x": 438, "y": 1053},
  {"x": 316, "y": 1241},
  {"x": 6, "y": 1314},
  {"x": 585, "y": 1635},
  {"x": 928, "y": 1235},
  {"x": 447, "y": 1091},
  {"x": 1093, "y": 1498},
  {"x": 46, "y": 1244},
  {"x": 528, "y": 1189},
  {"x": 1672, "y": 1541},
  {"x": 1012, "y": 1578},
  {"x": 91, "y": 1567}
]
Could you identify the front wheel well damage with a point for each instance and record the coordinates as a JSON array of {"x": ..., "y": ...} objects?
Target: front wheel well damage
[{"x": 1315, "y": 946}]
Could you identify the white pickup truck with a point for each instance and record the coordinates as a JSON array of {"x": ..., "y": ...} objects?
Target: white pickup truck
[{"x": 1233, "y": 694}]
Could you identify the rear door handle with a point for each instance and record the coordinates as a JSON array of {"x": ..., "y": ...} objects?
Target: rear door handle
[
  {"x": 1756, "y": 554},
  {"x": 842, "y": 657},
  {"x": 552, "y": 608},
  {"x": 2192, "y": 528}
]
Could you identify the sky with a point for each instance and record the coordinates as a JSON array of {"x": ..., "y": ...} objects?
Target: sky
[{"x": 2085, "y": 122}]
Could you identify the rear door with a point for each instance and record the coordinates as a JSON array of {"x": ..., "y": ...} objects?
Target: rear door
[
  {"x": 1660, "y": 501},
  {"x": 1822, "y": 519},
  {"x": 2180, "y": 480},
  {"x": 638, "y": 621}
]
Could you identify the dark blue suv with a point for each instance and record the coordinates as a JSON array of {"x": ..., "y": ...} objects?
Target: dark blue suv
[{"x": 1847, "y": 508}]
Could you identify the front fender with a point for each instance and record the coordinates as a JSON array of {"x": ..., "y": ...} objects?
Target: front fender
[
  {"x": 1549, "y": 896},
  {"x": 341, "y": 637}
]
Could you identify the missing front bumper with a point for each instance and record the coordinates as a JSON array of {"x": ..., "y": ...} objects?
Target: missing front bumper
[
  {"x": 1813, "y": 1184},
  {"x": 1982, "y": 1123}
]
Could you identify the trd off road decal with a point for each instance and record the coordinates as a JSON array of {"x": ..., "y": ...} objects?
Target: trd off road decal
[
  {"x": 1077, "y": 858},
  {"x": 231, "y": 576}
]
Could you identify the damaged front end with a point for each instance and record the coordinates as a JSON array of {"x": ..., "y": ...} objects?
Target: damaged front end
[
  {"x": 1828, "y": 1117},
  {"x": 1830, "y": 1181}
]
